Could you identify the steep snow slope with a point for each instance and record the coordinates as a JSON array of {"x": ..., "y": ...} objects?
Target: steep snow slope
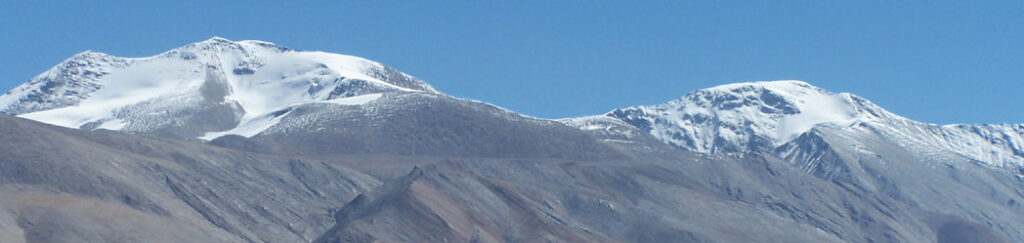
[
  {"x": 761, "y": 116},
  {"x": 206, "y": 89},
  {"x": 999, "y": 145}
]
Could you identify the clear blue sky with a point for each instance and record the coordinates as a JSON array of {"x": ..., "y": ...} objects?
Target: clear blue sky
[{"x": 941, "y": 62}]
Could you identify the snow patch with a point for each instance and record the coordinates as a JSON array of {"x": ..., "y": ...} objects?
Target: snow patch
[
  {"x": 354, "y": 100},
  {"x": 249, "y": 127},
  {"x": 256, "y": 124},
  {"x": 113, "y": 125},
  {"x": 141, "y": 82},
  {"x": 816, "y": 109}
]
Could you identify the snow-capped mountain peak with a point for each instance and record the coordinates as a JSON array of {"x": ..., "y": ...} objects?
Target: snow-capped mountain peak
[
  {"x": 230, "y": 87},
  {"x": 764, "y": 116},
  {"x": 745, "y": 116}
]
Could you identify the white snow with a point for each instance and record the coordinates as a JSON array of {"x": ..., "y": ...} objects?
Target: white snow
[
  {"x": 113, "y": 124},
  {"x": 604, "y": 124},
  {"x": 146, "y": 80},
  {"x": 259, "y": 123},
  {"x": 816, "y": 109},
  {"x": 248, "y": 127},
  {"x": 598, "y": 122},
  {"x": 354, "y": 100},
  {"x": 355, "y": 67},
  {"x": 999, "y": 145}
]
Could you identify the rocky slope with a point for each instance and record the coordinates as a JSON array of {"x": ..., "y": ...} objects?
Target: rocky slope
[{"x": 63, "y": 185}]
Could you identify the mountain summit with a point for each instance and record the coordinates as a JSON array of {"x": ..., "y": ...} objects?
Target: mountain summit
[{"x": 205, "y": 89}]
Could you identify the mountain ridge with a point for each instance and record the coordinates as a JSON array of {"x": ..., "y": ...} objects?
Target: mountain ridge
[{"x": 765, "y": 115}]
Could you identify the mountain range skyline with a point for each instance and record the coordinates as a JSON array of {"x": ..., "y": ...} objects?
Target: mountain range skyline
[
  {"x": 189, "y": 92},
  {"x": 217, "y": 38},
  {"x": 937, "y": 62},
  {"x": 251, "y": 141}
]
